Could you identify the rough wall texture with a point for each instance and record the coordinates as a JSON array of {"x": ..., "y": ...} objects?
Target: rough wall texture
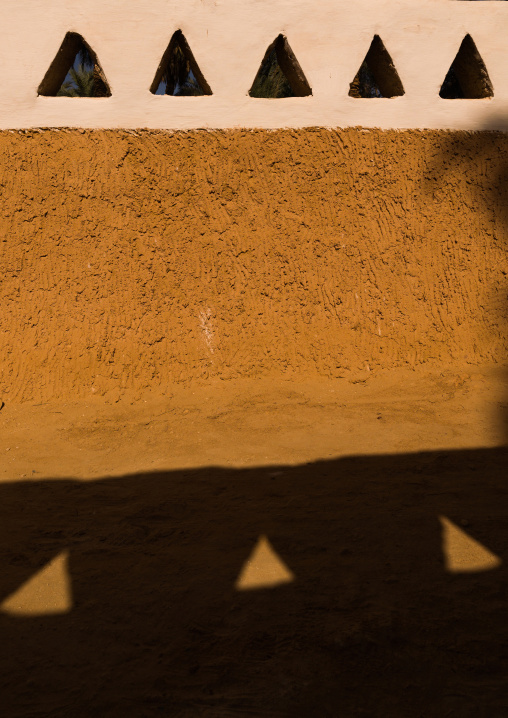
[{"x": 135, "y": 260}]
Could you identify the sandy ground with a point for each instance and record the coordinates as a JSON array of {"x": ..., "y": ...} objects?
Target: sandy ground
[
  {"x": 258, "y": 548},
  {"x": 251, "y": 423}
]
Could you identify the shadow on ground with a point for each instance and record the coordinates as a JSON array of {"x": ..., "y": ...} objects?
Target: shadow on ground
[{"x": 373, "y": 623}]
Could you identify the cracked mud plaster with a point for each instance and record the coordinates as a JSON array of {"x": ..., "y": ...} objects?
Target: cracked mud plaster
[{"x": 134, "y": 260}]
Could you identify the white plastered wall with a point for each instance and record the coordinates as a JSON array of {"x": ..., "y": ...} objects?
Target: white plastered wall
[{"x": 229, "y": 38}]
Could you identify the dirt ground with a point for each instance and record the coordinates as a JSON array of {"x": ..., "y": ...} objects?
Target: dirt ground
[{"x": 364, "y": 602}]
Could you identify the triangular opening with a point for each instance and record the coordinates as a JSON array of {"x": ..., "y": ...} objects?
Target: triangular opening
[
  {"x": 377, "y": 76},
  {"x": 178, "y": 73},
  {"x": 467, "y": 77},
  {"x": 75, "y": 71},
  {"x": 280, "y": 74}
]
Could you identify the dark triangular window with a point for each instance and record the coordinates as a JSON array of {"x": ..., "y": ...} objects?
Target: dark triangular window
[
  {"x": 75, "y": 71},
  {"x": 280, "y": 74},
  {"x": 467, "y": 77},
  {"x": 178, "y": 73},
  {"x": 377, "y": 76}
]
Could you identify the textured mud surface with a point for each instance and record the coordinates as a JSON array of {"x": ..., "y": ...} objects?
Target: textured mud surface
[
  {"x": 124, "y": 530},
  {"x": 131, "y": 261}
]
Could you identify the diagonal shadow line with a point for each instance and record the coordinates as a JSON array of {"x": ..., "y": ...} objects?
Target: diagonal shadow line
[{"x": 476, "y": 159}]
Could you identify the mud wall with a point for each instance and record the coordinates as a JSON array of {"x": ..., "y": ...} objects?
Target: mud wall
[{"x": 136, "y": 260}]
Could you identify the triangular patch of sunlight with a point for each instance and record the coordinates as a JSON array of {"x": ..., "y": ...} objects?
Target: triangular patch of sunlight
[
  {"x": 75, "y": 71},
  {"x": 462, "y": 553},
  {"x": 46, "y": 593},
  {"x": 467, "y": 77},
  {"x": 377, "y": 76},
  {"x": 280, "y": 74},
  {"x": 263, "y": 569},
  {"x": 178, "y": 73}
]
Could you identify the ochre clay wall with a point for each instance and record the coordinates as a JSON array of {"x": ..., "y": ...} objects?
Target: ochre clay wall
[{"x": 136, "y": 260}]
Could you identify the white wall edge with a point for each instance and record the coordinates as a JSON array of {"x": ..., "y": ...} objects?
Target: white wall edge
[{"x": 229, "y": 38}]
